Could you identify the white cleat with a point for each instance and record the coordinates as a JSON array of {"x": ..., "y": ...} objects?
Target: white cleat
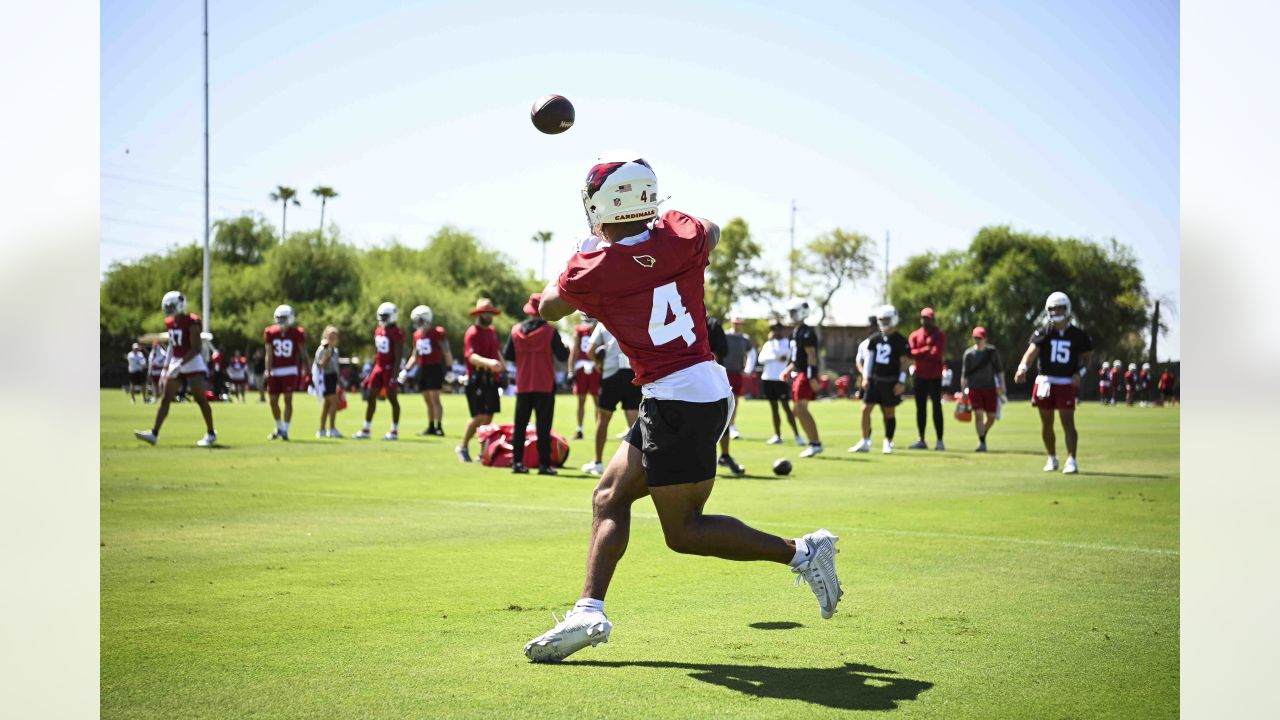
[
  {"x": 1051, "y": 465},
  {"x": 593, "y": 468},
  {"x": 819, "y": 571},
  {"x": 322, "y": 434},
  {"x": 939, "y": 446},
  {"x": 333, "y": 433},
  {"x": 800, "y": 441},
  {"x": 811, "y": 451},
  {"x": 362, "y": 435},
  {"x": 775, "y": 440},
  {"x": 577, "y": 630},
  {"x": 208, "y": 440},
  {"x": 391, "y": 435},
  {"x": 733, "y": 433},
  {"x": 888, "y": 447},
  {"x": 1070, "y": 467},
  {"x": 863, "y": 445},
  {"x": 146, "y": 436}
]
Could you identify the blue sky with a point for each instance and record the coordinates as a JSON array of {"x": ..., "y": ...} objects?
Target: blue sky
[{"x": 927, "y": 120}]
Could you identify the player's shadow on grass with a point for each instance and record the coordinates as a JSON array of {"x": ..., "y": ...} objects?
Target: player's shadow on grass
[
  {"x": 1142, "y": 476},
  {"x": 852, "y": 686}
]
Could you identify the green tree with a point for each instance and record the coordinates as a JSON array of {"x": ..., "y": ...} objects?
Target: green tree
[
  {"x": 309, "y": 268},
  {"x": 1002, "y": 279},
  {"x": 832, "y": 261},
  {"x": 284, "y": 195},
  {"x": 734, "y": 272},
  {"x": 242, "y": 240},
  {"x": 543, "y": 238},
  {"x": 325, "y": 193}
]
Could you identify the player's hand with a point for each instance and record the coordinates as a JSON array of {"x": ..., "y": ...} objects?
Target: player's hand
[
  {"x": 898, "y": 388},
  {"x": 1020, "y": 376},
  {"x": 866, "y": 384},
  {"x": 1075, "y": 379},
  {"x": 403, "y": 377},
  {"x": 813, "y": 385}
]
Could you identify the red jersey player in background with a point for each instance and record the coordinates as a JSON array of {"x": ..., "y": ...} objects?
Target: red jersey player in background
[
  {"x": 185, "y": 361},
  {"x": 483, "y": 357},
  {"x": 387, "y": 341},
  {"x": 586, "y": 381},
  {"x": 286, "y": 350},
  {"x": 429, "y": 355},
  {"x": 644, "y": 282}
]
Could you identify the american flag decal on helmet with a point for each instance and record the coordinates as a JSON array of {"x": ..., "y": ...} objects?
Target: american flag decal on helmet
[{"x": 645, "y": 260}]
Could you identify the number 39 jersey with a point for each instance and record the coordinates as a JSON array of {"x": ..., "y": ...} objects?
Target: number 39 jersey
[
  {"x": 647, "y": 290},
  {"x": 1061, "y": 351},
  {"x": 285, "y": 346}
]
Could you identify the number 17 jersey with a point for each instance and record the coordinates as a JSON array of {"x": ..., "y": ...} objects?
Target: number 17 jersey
[{"x": 648, "y": 292}]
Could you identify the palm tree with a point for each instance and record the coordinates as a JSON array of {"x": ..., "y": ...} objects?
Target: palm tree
[
  {"x": 543, "y": 237},
  {"x": 284, "y": 195},
  {"x": 324, "y": 192}
]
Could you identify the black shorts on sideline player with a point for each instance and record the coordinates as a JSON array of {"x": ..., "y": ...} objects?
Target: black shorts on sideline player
[
  {"x": 679, "y": 439},
  {"x": 430, "y": 377},
  {"x": 483, "y": 397},
  {"x": 618, "y": 388},
  {"x": 881, "y": 393},
  {"x": 138, "y": 378},
  {"x": 775, "y": 390}
]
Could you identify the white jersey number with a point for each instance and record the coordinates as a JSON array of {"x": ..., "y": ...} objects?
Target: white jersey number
[
  {"x": 175, "y": 337},
  {"x": 383, "y": 343},
  {"x": 882, "y": 354},
  {"x": 681, "y": 326},
  {"x": 424, "y": 346},
  {"x": 282, "y": 347},
  {"x": 1060, "y": 351}
]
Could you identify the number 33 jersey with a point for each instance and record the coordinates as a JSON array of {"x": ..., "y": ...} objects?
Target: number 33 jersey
[
  {"x": 647, "y": 290},
  {"x": 1061, "y": 350}
]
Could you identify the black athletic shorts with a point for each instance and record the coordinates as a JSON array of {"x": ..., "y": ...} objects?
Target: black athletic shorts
[
  {"x": 330, "y": 384},
  {"x": 483, "y": 396},
  {"x": 881, "y": 393},
  {"x": 138, "y": 378},
  {"x": 430, "y": 377},
  {"x": 775, "y": 390},
  {"x": 679, "y": 440},
  {"x": 618, "y": 388}
]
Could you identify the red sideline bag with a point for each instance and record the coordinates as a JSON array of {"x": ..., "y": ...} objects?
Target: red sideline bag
[
  {"x": 496, "y": 446},
  {"x": 342, "y": 398}
]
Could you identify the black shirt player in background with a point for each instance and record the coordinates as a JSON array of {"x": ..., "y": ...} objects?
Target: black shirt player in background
[
  {"x": 720, "y": 347},
  {"x": 885, "y": 378},
  {"x": 803, "y": 372},
  {"x": 1063, "y": 351}
]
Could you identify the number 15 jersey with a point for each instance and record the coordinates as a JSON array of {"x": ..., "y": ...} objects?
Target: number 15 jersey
[
  {"x": 1061, "y": 350},
  {"x": 647, "y": 290}
]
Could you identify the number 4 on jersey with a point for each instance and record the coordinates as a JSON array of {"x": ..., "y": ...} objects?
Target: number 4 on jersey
[{"x": 661, "y": 332}]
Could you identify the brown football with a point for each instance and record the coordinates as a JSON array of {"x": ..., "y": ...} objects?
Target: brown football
[{"x": 552, "y": 114}]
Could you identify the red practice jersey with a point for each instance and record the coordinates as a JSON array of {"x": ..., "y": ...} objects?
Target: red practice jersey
[
  {"x": 649, "y": 295},
  {"x": 429, "y": 343},
  {"x": 384, "y": 338},
  {"x": 286, "y": 345},
  {"x": 184, "y": 330}
]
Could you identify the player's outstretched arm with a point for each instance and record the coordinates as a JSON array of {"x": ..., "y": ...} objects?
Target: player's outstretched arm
[{"x": 552, "y": 307}]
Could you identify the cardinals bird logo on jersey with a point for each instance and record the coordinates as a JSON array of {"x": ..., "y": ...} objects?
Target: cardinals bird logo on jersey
[{"x": 645, "y": 260}]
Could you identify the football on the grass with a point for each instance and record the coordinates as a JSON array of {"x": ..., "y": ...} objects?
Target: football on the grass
[
  {"x": 552, "y": 114},
  {"x": 782, "y": 466}
]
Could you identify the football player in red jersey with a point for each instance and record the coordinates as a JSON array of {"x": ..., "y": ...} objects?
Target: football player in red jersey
[
  {"x": 586, "y": 381},
  {"x": 185, "y": 361},
  {"x": 286, "y": 348},
  {"x": 483, "y": 357},
  {"x": 429, "y": 356},
  {"x": 387, "y": 341},
  {"x": 642, "y": 276}
]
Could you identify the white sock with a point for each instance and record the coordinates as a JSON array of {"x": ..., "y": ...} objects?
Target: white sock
[
  {"x": 284, "y": 426},
  {"x": 1053, "y": 458},
  {"x": 395, "y": 427},
  {"x": 367, "y": 425},
  {"x": 279, "y": 425},
  {"x": 589, "y": 604},
  {"x": 802, "y": 553}
]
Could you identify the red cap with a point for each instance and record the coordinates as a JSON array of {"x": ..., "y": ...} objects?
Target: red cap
[
  {"x": 980, "y": 332},
  {"x": 535, "y": 300},
  {"x": 927, "y": 312}
]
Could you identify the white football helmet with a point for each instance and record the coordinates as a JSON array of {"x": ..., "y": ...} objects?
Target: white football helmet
[
  {"x": 798, "y": 309},
  {"x": 620, "y": 187},
  {"x": 421, "y": 316},
  {"x": 1058, "y": 307},
  {"x": 284, "y": 316},
  {"x": 1116, "y": 363},
  {"x": 1146, "y": 366},
  {"x": 173, "y": 303},
  {"x": 1105, "y": 365},
  {"x": 1133, "y": 366},
  {"x": 387, "y": 313},
  {"x": 887, "y": 317}
]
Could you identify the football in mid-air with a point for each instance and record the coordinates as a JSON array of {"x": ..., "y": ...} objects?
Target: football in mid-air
[
  {"x": 782, "y": 466},
  {"x": 552, "y": 114}
]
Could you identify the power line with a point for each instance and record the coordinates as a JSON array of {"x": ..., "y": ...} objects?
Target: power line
[{"x": 139, "y": 223}]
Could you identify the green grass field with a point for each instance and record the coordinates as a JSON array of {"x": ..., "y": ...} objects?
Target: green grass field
[{"x": 340, "y": 578}]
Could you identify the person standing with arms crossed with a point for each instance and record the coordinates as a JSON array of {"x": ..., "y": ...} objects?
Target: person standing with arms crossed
[
  {"x": 535, "y": 347},
  {"x": 482, "y": 354},
  {"x": 928, "y": 346},
  {"x": 1063, "y": 351},
  {"x": 982, "y": 380}
]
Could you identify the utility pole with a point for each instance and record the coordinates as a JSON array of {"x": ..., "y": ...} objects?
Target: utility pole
[
  {"x": 791, "y": 256},
  {"x": 208, "y": 327},
  {"x": 885, "y": 299}
]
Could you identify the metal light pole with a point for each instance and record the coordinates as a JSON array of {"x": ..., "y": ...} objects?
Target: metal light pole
[
  {"x": 791, "y": 256},
  {"x": 885, "y": 299},
  {"x": 208, "y": 327}
]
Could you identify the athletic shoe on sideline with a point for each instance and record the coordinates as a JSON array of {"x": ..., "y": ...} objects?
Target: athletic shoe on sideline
[
  {"x": 775, "y": 440},
  {"x": 362, "y": 435},
  {"x": 275, "y": 434},
  {"x": 593, "y": 468},
  {"x": 939, "y": 446},
  {"x": 728, "y": 461},
  {"x": 391, "y": 435},
  {"x": 577, "y": 630},
  {"x": 800, "y": 441},
  {"x": 1069, "y": 468},
  {"x": 813, "y": 449},
  {"x": 887, "y": 447},
  {"x": 918, "y": 445},
  {"x": 519, "y": 468},
  {"x": 577, "y": 435},
  {"x": 322, "y": 434},
  {"x": 333, "y": 433},
  {"x": 208, "y": 440},
  {"x": 819, "y": 571},
  {"x": 982, "y": 446},
  {"x": 463, "y": 454},
  {"x": 733, "y": 433},
  {"x": 146, "y": 436},
  {"x": 1051, "y": 464},
  {"x": 547, "y": 470}
]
